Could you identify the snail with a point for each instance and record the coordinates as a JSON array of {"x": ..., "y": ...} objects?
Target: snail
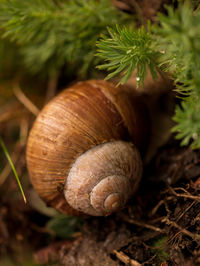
[{"x": 85, "y": 149}]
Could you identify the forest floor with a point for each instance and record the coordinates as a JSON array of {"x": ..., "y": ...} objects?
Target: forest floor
[{"x": 161, "y": 225}]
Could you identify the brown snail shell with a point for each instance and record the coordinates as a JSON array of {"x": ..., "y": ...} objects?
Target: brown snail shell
[{"x": 82, "y": 152}]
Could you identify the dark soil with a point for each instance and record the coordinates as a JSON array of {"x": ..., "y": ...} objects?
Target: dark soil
[{"x": 159, "y": 227}]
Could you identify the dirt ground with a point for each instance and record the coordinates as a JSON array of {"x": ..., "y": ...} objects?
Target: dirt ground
[{"x": 159, "y": 227}]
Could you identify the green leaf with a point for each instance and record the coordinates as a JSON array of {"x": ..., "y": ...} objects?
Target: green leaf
[
  {"x": 64, "y": 226},
  {"x": 127, "y": 49}
]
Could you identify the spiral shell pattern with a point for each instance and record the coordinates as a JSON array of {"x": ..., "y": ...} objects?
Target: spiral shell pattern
[{"x": 103, "y": 179}]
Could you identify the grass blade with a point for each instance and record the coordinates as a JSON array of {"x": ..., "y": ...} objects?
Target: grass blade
[{"x": 13, "y": 168}]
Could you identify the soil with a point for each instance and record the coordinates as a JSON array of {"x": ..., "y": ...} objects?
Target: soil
[{"x": 160, "y": 226}]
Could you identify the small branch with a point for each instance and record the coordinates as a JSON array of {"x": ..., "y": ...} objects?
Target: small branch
[
  {"x": 148, "y": 226},
  {"x": 25, "y": 101},
  {"x": 125, "y": 259},
  {"x": 23, "y": 130},
  {"x": 185, "y": 195},
  {"x": 51, "y": 87},
  {"x": 9, "y": 111},
  {"x": 186, "y": 210},
  {"x": 185, "y": 231},
  {"x": 160, "y": 203}
]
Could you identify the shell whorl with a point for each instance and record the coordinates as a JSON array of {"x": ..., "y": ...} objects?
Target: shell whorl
[{"x": 103, "y": 179}]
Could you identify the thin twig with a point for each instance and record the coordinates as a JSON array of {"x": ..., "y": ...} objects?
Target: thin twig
[
  {"x": 185, "y": 195},
  {"x": 51, "y": 87},
  {"x": 25, "y": 101},
  {"x": 141, "y": 224},
  {"x": 9, "y": 111},
  {"x": 155, "y": 209},
  {"x": 125, "y": 259},
  {"x": 182, "y": 189},
  {"x": 186, "y": 210},
  {"x": 147, "y": 262},
  {"x": 179, "y": 232},
  {"x": 160, "y": 203},
  {"x": 23, "y": 130},
  {"x": 183, "y": 230}
]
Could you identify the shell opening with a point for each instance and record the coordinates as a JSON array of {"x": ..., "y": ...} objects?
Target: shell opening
[{"x": 103, "y": 179}]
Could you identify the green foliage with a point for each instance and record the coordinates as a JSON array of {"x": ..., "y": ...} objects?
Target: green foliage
[
  {"x": 127, "y": 49},
  {"x": 159, "y": 248},
  {"x": 51, "y": 35},
  {"x": 187, "y": 117},
  {"x": 173, "y": 46},
  {"x": 179, "y": 38},
  {"x": 64, "y": 226}
]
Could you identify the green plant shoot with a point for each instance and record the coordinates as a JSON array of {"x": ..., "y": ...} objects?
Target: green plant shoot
[{"x": 13, "y": 168}]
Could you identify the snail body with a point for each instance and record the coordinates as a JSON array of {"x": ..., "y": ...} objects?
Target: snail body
[{"x": 84, "y": 150}]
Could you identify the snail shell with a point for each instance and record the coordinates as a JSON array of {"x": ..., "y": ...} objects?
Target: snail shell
[{"x": 82, "y": 152}]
